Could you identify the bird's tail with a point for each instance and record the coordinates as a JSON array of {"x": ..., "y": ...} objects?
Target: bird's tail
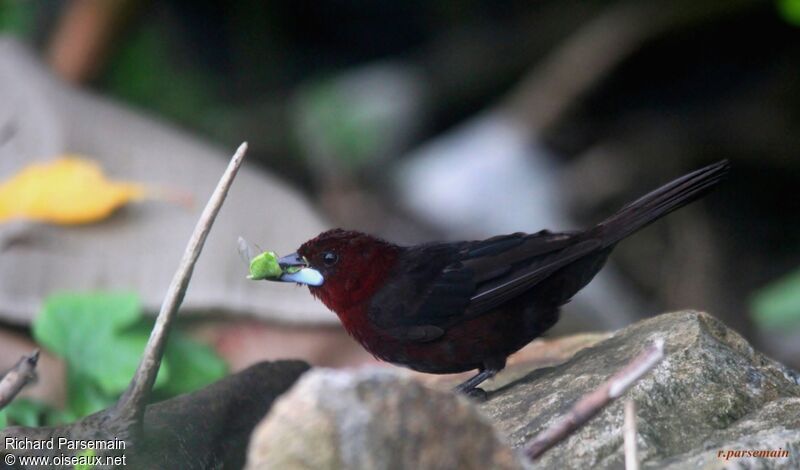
[{"x": 661, "y": 202}]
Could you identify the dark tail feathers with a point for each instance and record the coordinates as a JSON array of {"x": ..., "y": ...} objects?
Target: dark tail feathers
[{"x": 661, "y": 202}]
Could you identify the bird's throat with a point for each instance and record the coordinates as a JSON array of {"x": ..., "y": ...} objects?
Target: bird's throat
[{"x": 349, "y": 296}]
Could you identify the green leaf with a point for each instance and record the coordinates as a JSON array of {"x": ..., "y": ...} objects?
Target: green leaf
[
  {"x": 3, "y": 419},
  {"x": 192, "y": 365},
  {"x": 101, "y": 337},
  {"x": 85, "y": 455},
  {"x": 95, "y": 334},
  {"x": 69, "y": 319},
  {"x": 84, "y": 396},
  {"x": 27, "y": 412},
  {"x": 122, "y": 351},
  {"x": 59, "y": 417},
  {"x": 33, "y": 413},
  {"x": 18, "y": 18},
  {"x": 778, "y": 304}
]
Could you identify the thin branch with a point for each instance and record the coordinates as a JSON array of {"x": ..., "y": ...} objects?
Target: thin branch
[
  {"x": 629, "y": 436},
  {"x": 132, "y": 403},
  {"x": 16, "y": 378},
  {"x": 591, "y": 403}
]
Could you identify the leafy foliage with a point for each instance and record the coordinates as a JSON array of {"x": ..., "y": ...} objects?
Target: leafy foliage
[
  {"x": 101, "y": 337},
  {"x": 790, "y": 11},
  {"x": 17, "y": 18},
  {"x": 87, "y": 455},
  {"x": 778, "y": 305},
  {"x": 350, "y": 133},
  {"x": 144, "y": 71}
]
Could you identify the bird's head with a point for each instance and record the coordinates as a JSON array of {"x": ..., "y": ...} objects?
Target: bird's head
[{"x": 341, "y": 267}]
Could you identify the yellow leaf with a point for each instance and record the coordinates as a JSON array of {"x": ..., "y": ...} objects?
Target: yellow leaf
[{"x": 70, "y": 190}]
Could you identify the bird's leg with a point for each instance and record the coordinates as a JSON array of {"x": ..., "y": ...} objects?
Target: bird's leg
[{"x": 470, "y": 386}]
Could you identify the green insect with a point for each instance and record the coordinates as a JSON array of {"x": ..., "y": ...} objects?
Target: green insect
[{"x": 264, "y": 265}]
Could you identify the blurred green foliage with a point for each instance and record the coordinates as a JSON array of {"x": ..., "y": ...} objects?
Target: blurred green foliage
[
  {"x": 17, "y": 17},
  {"x": 27, "y": 412},
  {"x": 144, "y": 71},
  {"x": 101, "y": 337},
  {"x": 777, "y": 305},
  {"x": 348, "y": 134},
  {"x": 88, "y": 454},
  {"x": 790, "y": 11},
  {"x": 94, "y": 334}
]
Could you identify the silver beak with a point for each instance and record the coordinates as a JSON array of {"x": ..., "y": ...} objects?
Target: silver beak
[{"x": 296, "y": 269}]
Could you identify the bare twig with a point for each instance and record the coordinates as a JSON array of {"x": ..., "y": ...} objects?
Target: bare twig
[
  {"x": 132, "y": 403},
  {"x": 591, "y": 404},
  {"x": 16, "y": 378},
  {"x": 629, "y": 435}
]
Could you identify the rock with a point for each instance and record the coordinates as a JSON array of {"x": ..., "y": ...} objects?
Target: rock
[
  {"x": 201, "y": 429},
  {"x": 139, "y": 246},
  {"x": 374, "y": 419},
  {"x": 772, "y": 428},
  {"x": 541, "y": 352},
  {"x": 208, "y": 428},
  {"x": 712, "y": 392}
]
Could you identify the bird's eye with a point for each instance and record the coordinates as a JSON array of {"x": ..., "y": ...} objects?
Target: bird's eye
[{"x": 329, "y": 258}]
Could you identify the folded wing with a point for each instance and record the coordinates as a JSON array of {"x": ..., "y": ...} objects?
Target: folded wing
[{"x": 454, "y": 282}]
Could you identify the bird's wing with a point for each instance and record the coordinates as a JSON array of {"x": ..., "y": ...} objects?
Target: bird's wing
[
  {"x": 420, "y": 278},
  {"x": 500, "y": 289},
  {"x": 441, "y": 284}
]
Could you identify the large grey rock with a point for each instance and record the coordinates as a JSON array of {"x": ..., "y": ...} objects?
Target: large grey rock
[
  {"x": 205, "y": 429},
  {"x": 139, "y": 247},
  {"x": 712, "y": 392},
  {"x": 772, "y": 429},
  {"x": 374, "y": 419}
]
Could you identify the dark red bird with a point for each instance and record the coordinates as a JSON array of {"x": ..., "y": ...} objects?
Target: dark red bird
[{"x": 452, "y": 307}]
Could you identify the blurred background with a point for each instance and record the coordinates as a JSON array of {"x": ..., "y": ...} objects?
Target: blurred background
[{"x": 415, "y": 121}]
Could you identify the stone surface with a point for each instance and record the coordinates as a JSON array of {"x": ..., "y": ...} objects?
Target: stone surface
[
  {"x": 772, "y": 428},
  {"x": 374, "y": 419},
  {"x": 541, "y": 352},
  {"x": 139, "y": 247},
  {"x": 711, "y": 392},
  {"x": 200, "y": 430},
  {"x": 205, "y": 429}
]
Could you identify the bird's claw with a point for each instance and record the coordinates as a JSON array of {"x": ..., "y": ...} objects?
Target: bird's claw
[{"x": 476, "y": 393}]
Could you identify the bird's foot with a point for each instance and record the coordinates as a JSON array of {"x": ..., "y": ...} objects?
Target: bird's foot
[
  {"x": 475, "y": 393},
  {"x": 470, "y": 386},
  {"x": 478, "y": 394}
]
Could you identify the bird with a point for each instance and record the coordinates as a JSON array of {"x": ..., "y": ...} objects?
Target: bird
[{"x": 451, "y": 307}]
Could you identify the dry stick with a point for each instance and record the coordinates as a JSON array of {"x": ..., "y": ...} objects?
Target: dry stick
[
  {"x": 17, "y": 377},
  {"x": 132, "y": 403},
  {"x": 592, "y": 403},
  {"x": 629, "y": 436}
]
